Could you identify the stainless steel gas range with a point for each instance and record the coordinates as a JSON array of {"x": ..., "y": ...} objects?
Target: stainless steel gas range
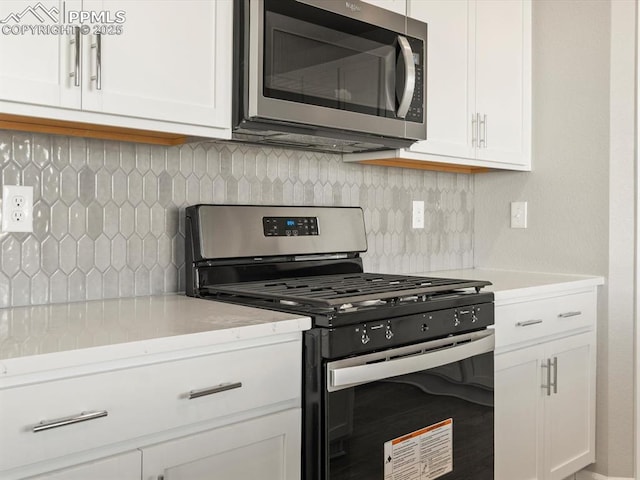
[{"x": 398, "y": 370}]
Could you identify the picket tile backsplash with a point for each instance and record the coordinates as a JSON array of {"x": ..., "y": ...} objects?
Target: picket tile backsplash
[{"x": 108, "y": 216}]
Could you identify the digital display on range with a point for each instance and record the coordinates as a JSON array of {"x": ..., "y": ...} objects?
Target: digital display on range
[{"x": 289, "y": 226}]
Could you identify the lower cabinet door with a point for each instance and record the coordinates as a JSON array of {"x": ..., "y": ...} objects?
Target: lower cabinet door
[
  {"x": 545, "y": 409},
  {"x": 265, "y": 448},
  {"x": 518, "y": 414},
  {"x": 569, "y": 439},
  {"x": 125, "y": 466}
]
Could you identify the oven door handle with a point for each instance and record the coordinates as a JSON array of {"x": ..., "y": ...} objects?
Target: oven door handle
[{"x": 340, "y": 378}]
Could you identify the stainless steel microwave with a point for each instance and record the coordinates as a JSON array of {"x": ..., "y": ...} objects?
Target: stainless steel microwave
[{"x": 328, "y": 75}]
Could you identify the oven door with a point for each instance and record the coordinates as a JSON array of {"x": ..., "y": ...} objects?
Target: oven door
[
  {"x": 420, "y": 412},
  {"x": 320, "y": 63}
]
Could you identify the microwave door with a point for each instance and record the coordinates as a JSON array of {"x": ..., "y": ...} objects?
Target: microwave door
[
  {"x": 310, "y": 73},
  {"x": 317, "y": 65}
]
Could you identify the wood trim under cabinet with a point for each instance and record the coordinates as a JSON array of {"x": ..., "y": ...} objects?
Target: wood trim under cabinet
[
  {"x": 78, "y": 129},
  {"x": 422, "y": 165}
]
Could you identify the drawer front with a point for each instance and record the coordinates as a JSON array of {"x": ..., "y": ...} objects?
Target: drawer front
[
  {"x": 143, "y": 400},
  {"x": 527, "y": 321}
]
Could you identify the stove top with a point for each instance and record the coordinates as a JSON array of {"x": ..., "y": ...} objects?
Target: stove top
[
  {"x": 344, "y": 291},
  {"x": 306, "y": 260}
]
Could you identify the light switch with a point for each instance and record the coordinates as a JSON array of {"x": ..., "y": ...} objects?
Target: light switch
[
  {"x": 417, "y": 217},
  {"x": 518, "y": 214}
]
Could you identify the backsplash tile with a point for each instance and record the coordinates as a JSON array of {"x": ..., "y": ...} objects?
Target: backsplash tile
[{"x": 108, "y": 215}]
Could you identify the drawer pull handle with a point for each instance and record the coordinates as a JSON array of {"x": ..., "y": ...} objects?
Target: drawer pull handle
[
  {"x": 223, "y": 387},
  {"x": 62, "y": 422},
  {"x": 569, "y": 314},
  {"x": 527, "y": 323}
]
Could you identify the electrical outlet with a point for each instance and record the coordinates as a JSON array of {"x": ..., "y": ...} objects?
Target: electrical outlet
[
  {"x": 417, "y": 217},
  {"x": 17, "y": 201},
  {"x": 518, "y": 214},
  {"x": 17, "y": 208}
]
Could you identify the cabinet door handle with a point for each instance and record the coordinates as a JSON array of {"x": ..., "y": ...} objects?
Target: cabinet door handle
[
  {"x": 61, "y": 422},
  {"x": 223, "y": 387},
  {"x": 482, "y": 126},
  {"x": 569, "y": 314},
  {"x": 547, "y": 364},
  {"x": 527, "y": 323},
  {"x": 98, "y": 47},
  {"x": 76, "y": 64},
  {"x": 474, "y": 130},
  {"x": 554, "y": 364}
]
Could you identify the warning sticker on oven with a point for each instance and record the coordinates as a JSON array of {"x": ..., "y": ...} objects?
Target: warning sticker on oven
[{"x": 425, "y": 454}]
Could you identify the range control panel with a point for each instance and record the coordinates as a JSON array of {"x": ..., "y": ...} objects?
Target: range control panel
[
  {"x": 394, "y": 332},
  {"x": 290, "y": 226}
]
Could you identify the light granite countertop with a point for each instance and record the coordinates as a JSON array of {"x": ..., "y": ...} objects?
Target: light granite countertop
[{"x": 127, "y": 327}]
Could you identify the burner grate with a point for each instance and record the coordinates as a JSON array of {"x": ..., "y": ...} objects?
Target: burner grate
[{"x": 336, "y": 290}]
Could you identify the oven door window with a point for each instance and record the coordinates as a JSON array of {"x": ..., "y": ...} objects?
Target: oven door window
[
  {"x": 435, "y": 423},
  {"x": 316, "y": 57}
]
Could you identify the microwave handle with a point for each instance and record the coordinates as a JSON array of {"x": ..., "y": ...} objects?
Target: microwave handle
[
  {"x": 347, "y": 377},
  {"x": 409, "y": 77}
]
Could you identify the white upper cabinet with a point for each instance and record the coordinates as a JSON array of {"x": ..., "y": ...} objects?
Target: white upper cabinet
[
  {"x": 449, "y": 68},
  {"x": 478, "y": 87},
  {"x": 162, "y": 66},
  {"x": 503, "y": 81},
  {"x": 478, "y": 81},
  {"x": 36, "y": 68}
]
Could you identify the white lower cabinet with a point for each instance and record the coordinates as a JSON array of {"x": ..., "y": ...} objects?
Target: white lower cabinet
[
  {"x": 518, "y": 414},
  {"x": 125, "y": 466},
  {"x": 232, "y": 410},
  {"x": 264, "y": 448},
  {"x": 545, "y": 388}
]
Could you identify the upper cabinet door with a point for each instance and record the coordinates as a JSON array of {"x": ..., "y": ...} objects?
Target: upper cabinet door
[
  {"x": 37, "y": 61},
  {"x": 503, "y": 80},
  {"x": 450, "y": 100},
  {"x": 168, "y": 60}
]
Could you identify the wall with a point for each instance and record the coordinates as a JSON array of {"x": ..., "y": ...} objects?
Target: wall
[
  {"x": 567, "y": 190},
  {"x": 108, "y": 216},
  {"x": 580, "y": 193}
]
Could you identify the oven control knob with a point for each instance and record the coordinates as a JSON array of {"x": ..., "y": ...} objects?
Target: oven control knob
[
  {"x": 365, "y": 337},
  {"x": 388, "y": 334}
]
